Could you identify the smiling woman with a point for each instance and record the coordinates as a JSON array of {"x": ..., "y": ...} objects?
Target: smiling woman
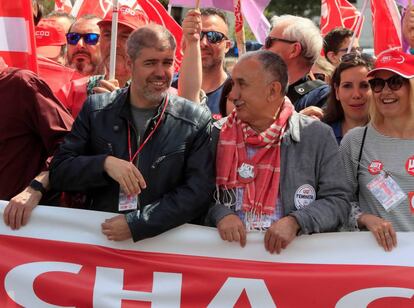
[
  {"x": 379, "y": 158},
  {"x": 348, "y": 104}
]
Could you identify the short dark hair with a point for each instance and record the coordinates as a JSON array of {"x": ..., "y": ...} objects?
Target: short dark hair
[
  {"x": 227, "y": 85},
  {"x": 334, "y": 111},
  {"x": 273, "y": 65},
  {"x": 38, "y": 17},
  {"x": 149, "y": 36},
  {"x": 213, "y": 11},
  {"x": 333, "y": 40}
]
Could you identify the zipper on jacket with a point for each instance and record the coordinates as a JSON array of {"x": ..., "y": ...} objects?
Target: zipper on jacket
[{"x": 161, "y": 158}]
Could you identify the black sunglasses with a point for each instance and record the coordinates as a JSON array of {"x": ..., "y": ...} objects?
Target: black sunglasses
[
  {"x": 394, "y": 83},
  {"x": 89, "y": 38},
  {"x": 319, "y": 76},
  {"x": 269, "y": 41},
  {"x": 213, "y": 37}
]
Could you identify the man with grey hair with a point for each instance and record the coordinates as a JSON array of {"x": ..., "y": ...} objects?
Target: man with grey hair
[
  {"x": 139, "y": 151},
  {"x": 277, "y": 171},
  {"x": 299, "y": 42}
]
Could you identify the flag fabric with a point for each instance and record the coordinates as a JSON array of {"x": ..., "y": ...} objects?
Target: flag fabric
[
  {"x": 403, "y": 3},
  {"x": 17, "y": 35},
  {"x": 61, "y": 259},
  {"x": 252, "y": 11},
  {"x": 155, "y": 11},
  {"x": 386, "y": 25},
  {"x": 339, "y": 13},
  {"x": 63, "y": 6}
]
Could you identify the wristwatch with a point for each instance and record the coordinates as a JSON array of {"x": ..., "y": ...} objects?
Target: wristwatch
[{"x": 36, "y": 185}]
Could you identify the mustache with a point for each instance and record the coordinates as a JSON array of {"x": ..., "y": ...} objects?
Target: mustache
[{"x": 81, "y": 52}]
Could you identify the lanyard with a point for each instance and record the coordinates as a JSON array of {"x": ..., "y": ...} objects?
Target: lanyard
[{"x": 132, "y": 158}]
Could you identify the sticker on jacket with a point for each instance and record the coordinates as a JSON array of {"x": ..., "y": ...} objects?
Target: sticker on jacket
[{"x": 304, "y": 196}]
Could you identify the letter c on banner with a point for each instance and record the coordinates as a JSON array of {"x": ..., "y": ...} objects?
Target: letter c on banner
[
  {"x": 362, "y": 298},
  {"x": 19, "y": 281}
]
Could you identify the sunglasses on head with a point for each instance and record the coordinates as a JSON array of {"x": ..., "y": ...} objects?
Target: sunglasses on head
[
  {"x": 320, "y": 76},
  {"x": 349, "y": 57},
  {"x": 213, "y": 37},
  {"x": 89, "y": 38},
  {"x": 353, "y": 50},
  {"x": 394, "y": 83},
  {"x": 269, "y": 41}
]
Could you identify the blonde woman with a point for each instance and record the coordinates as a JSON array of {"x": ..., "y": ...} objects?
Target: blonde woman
[{"x": 379, "y": 158}]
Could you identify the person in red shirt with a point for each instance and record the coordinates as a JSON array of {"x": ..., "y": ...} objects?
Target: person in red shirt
[{"x": 33, "y": 124}]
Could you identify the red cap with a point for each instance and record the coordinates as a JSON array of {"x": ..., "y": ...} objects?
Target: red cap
[
  {"x": 132, "y": 18},
  {"x": 396, "y": 61},
  {"x": 50, "y": 36}
]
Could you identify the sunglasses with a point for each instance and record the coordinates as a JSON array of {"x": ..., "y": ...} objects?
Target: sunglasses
[
  {"x": 349, "y": 57},
  {"x": 213, "y": 37},
  {"x": 319, "y": 76},
  {"x": 89, "y": 38},
  {"x": 269, "y": 41},
  {"x": 394, "y": 83},
  {"x": 353, "y": 50}
]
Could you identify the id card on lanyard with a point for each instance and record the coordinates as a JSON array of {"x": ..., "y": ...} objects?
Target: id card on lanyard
[{"x": 130, "y": 202}]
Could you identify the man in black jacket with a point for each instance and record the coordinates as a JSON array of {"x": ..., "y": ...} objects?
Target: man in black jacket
[{"x": 140, "y": 151}]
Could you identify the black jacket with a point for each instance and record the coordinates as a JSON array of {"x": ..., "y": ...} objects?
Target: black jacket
[{"x": 176, "y": 162}]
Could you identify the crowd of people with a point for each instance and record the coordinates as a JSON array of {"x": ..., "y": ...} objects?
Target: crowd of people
[{"x": 287, "y": 142}]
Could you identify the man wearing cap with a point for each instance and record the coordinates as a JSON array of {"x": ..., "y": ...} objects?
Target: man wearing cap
[
  {"x": 75, "y": 93},
  {"x": 83, "y": 52},
  {"x": 139, "y": 151},
  {"x": 51, "y": 41}
]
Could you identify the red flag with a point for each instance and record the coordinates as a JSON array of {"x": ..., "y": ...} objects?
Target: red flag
[
  {"x": 155, "y": 11},
  {"x": 17, "y": 39},
  {"x": 386, "y": 25},
  {"x": 158, "y": 14},
  {"x": 339, "y": 13},
  {"x": 63, "y": 6}
]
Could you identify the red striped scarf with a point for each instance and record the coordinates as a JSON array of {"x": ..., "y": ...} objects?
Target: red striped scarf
[{"x": 260, "y": 195}]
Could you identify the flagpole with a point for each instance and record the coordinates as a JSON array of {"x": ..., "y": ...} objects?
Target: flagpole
[
  {"x": 358, "y": 27},
  {"x": 114, "y": 35},
  {"x": 239, "y": 28}
]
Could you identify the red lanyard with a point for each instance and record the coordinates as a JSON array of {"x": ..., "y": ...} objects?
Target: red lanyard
[{"x": 131, "y": 158}]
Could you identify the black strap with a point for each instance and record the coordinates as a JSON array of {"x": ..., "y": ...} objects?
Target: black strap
[{"x": 359, "y": 157}]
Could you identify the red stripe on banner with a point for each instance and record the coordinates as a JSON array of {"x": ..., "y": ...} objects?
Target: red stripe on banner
[{"x": 82, "y": 275}]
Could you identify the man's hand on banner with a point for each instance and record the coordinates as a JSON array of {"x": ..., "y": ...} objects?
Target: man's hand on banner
[
  {"x": 107, "y": 86},
  {"x": 116, "y": 228},
  {"x": 17, "y": 212},
  {"x": 280, "y": 234},
  {"x": 231, "y": 229}
]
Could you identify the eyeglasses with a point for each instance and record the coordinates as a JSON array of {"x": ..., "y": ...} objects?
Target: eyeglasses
[
  {"x": 319, "y": 76},
  {"x": 213, "y": 37},
  {"x": 394, "y": 83},
  {"x": 352, "y": 56},
  {"x": 89, "y": 38},
  {"x": 353, "y": 50},
  {"x": 269, "y": 41}
]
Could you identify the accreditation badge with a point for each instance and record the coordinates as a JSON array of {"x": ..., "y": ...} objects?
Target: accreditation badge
[
  {"x": 127, "y": 202},
  {"x": 386, "y": 191}
]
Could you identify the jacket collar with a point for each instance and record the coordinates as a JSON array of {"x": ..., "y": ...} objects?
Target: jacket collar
[{"x": 125, "y": 109}]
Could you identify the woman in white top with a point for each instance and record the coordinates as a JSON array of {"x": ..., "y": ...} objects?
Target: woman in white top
[{"x": 379, "y": 158}]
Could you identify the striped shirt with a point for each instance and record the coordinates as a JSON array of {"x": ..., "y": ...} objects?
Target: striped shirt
[{"x": 396, "y": 156}]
